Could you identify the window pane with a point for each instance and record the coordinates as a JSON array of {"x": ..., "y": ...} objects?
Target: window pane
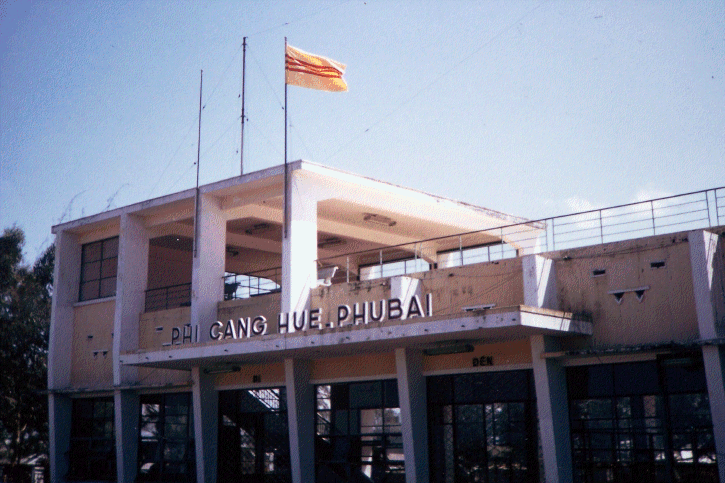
[
  {"x": 109, "y": 267},
  {"x": 110, "y": 248},
  {"x": 89, "y": 290},
  {"x": 91, "y": 271},
  {"x": 92, "y": 252},
  {"x": 108, "y": 287}
]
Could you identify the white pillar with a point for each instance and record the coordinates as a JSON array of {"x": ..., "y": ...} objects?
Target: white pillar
[
  {"x": 205, "y": 407},
  {"x": 539, "y": 282},
  {"x": 413, "y": 413},
  {"x": 299, "y": 248},
  {"x": 66, "y": 277},
  {"x": 126, "y": 412},
  {"x": 60, "y": 350},
  {"x": 708, "y": 273},
  {"x": 131, "y": 280},
  {"x": 552, "y": 405},
  {"x": 59, "y": 422},
  {"x": 301, "y": 419},
  {"x": 207, "y": 279}
]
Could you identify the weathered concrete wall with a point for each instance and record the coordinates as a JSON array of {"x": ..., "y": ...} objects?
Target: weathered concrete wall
[
  {"x": 92, "y": 345},
  {"x": 155, "y": 328},
  {"x": 666, "y": 310},
  {"x": 500, "y": 283},
  {"x": 266, "y": 305},
  {"x": 356, "y": 367},
  {"x": 269, "y": 375},
  {"x": 168, "y": 267}
]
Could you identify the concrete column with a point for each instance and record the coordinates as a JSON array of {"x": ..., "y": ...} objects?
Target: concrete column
[
  {"x": 126, "y": 413},
  {"x": 413, "y": 413},
  {"x": 301, "y": 417},
  {"x": 66, "y": 275},
  {"x": 207, "y": 278},
  {"x": 205, "y": 407},
  {"x": 131, "y": 280},
  {"x": 552, "y": 405},
  {"x": 299, "y": 248},
  {"x": 59, "y": 421},
  {"x": 67, "y": 279},
  {"x": 708, "y": 273},
  {"x": 539, "y": 282}
]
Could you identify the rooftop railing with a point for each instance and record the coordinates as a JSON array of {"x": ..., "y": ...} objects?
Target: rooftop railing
[{"x": 689, "y": 211}]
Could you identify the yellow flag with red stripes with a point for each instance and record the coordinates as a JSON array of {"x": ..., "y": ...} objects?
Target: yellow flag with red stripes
[{"x": 313, "y": 71}]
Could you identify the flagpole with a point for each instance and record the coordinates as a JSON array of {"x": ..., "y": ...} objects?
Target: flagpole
[
  {"x": 244, "y": 70},
  {"x": 196, "y": 193},
  {"x": 286, "y": 200}
]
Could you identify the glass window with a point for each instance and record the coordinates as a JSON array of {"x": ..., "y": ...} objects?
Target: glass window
[
  {"x": 483, "y": 427},
  {"x": 644, "y": 421},
  {"x": 253, "y": 436},
  {"x": 92, "y": 454},
  {"x": 166, "y": 438},
  {"x": 358, "y": 433},
  {"x": 99, "y": 263}
]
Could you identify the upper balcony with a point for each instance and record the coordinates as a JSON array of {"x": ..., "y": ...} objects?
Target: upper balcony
[{"x": 306, "y": 237}]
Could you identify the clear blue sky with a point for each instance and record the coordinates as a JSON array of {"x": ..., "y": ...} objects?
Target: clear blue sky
[{"x": 532, "y": 108}]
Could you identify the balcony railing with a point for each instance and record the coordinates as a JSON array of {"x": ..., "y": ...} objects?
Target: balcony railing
[
  {"x": 168, "y": 297},
  {"x": 689, "y": 211}
]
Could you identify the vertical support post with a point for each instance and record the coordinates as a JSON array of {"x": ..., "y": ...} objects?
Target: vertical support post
[
  {"x": 460, "y": 249},
  {"x": 207, "y": 278},
  {"x": 413, "y": 403},
  {"x": 301, "y": 417},
  {"x": 131, "y": 280},
  {"x": 59, "y": 427},
  {"x": 299, "y": 248},
  {"x": 126, "y": 411},
  {"x": 205, "y": 407},
  {"x": 601, "y": 228},
  {"x": 552, "y": 404},
  {"x": 652, "y": 209},
  {"x": 708, "y": 272}
]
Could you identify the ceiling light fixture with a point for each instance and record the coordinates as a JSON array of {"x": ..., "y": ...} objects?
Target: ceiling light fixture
[
  {"x": 445, "y": 349},
  {"x": 258, "y": 228},
  {"x": 331, "y": 242},
  {"x": 379, "y": 219}
]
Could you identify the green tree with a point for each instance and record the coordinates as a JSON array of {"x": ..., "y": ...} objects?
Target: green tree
[{"x": 25, "y": 300}]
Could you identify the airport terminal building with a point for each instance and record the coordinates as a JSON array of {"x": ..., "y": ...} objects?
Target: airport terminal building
[{"x": 303, "y": 324}]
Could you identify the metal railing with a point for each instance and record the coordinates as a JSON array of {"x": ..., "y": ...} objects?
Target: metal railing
[
  {"x": 689, "y": 211},
  {"x": 168, "y": 297}
]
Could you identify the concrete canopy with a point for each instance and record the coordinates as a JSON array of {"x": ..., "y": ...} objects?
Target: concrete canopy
[{"x": 355, "y": 215}]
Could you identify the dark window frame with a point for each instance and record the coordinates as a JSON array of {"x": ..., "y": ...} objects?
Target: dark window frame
[
  {"x": 99, "y": 269},
  {"x": 167, "y": 422},
  {"x": 343, "y": 440},
  {"x": 254, "y": 436},
  {"x": 92, "y": 445},
  {"x": 487, "y": 433},
  {"x": 631, "y": 421}
]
